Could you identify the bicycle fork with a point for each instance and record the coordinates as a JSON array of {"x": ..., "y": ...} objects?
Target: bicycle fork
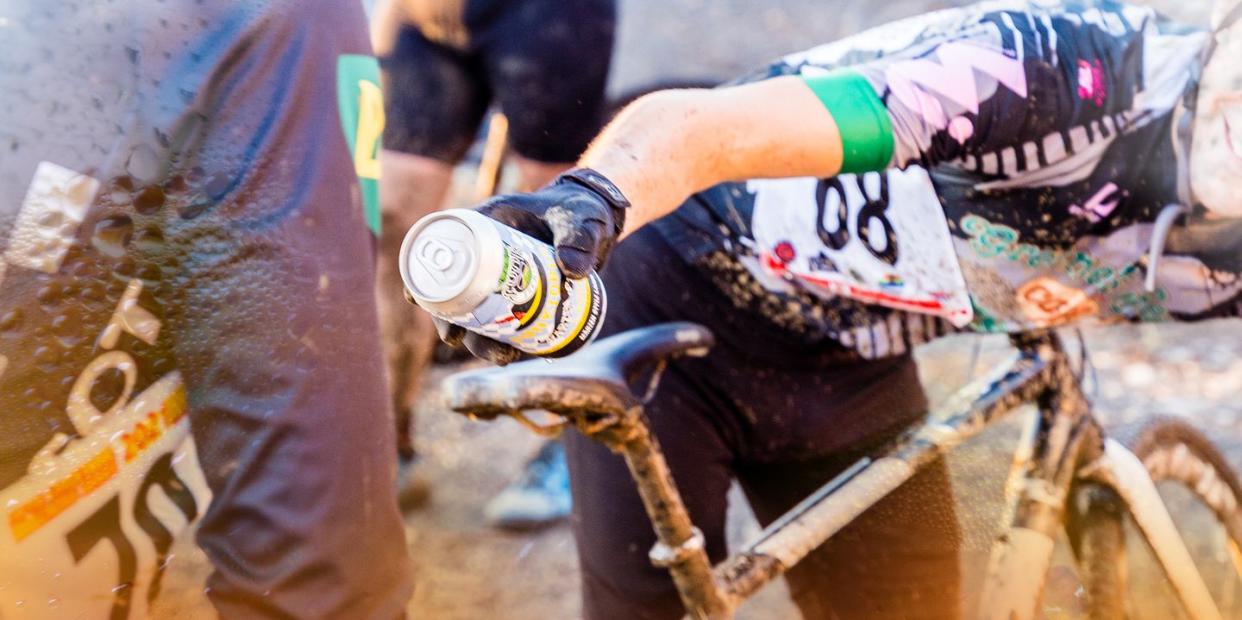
[
  {"x": 1063, "y": 448},
  {"x": 1051, "y": 447}
]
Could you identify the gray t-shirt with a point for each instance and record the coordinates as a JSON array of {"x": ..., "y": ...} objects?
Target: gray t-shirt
[{"x": 187, "y": 205}]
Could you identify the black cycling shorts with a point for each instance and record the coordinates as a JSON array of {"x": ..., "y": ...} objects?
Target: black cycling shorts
[{"x": 545, "y": 62}]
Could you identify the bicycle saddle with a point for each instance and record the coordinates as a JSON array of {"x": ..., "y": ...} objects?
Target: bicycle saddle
[{"x": 604, "y": 377}]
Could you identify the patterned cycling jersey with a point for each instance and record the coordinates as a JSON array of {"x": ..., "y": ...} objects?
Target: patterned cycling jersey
[{"x": 1029, "y": 146}]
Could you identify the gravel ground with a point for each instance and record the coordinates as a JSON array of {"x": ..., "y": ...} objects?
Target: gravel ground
[
  {"x": 716, "y": 40},
  {"x": 466, "y": 570}
]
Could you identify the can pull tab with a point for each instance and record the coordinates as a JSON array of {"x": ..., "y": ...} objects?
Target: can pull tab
[
  {"x": 436, "y": 254},
  {"x": 443, "y": 260}
]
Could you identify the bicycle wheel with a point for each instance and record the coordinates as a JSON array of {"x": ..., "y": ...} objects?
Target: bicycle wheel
[
  {"x": 1095, "y": 523},
  {"x": 1173, "y": 452}
]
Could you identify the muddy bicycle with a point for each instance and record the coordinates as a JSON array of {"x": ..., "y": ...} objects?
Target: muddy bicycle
[{"x": 1067, "y": 473}]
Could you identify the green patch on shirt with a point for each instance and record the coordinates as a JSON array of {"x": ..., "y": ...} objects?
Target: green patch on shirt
[
  {"x": 862, "y": 120},
  {"x": 361, "y": 102}
]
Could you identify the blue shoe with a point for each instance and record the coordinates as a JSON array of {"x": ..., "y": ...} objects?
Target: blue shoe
[{"x": 539, "y": 498}]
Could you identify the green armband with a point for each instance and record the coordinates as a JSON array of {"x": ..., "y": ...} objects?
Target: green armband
[{"x": 862, "y": 120}]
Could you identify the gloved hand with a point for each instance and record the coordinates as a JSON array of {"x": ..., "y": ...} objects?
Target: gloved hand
[{"x": 581, "y": 214}]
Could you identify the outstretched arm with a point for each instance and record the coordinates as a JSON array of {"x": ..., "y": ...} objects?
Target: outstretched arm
[
  {"x": 670, "y": 144},
  {"x": 659, "y": 151}
]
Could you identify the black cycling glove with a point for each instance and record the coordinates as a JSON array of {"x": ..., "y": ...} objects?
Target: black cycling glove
[{"x": 581, "y": 214}]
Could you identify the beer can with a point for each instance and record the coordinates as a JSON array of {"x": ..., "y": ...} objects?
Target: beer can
[{"x": 473, "y": 271}]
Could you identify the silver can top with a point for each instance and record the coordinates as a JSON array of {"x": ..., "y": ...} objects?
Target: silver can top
[
  {"x": 447, "y": 260},
  {"x": 442, "y": 260}
]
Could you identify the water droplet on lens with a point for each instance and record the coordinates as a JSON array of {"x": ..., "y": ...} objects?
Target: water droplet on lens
[
  {"x": 60, "y": 322},
  {"x": 120, "y": 191},
  {"x": 192, "y": 211},
  {"x": 150, "y": 199},
  {"x": 125, "y": 269},
  {"x": 93, "y": 291},
  {"x": 218, "y": 185},
  {"x": 66, "y": 323},
  {"x": 150, "y": 273},
  {"x": 143, "y": 164},
  {"x": 49, "y": 294},
  {"x": 51, "y": 219},
  {"x": 148, "y": 241},
  {"x": 163, "y": 365},
  {"x": 46, "y": 356},
  {"x": 112, "y": 234},
  {"x": 176, "y": 184},
  {"x": 123, "y": 183},
  {"x": 119, "y": 198}
]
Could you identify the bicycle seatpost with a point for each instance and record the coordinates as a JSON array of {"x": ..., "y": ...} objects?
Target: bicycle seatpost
[{"x": 680, "y": 546}]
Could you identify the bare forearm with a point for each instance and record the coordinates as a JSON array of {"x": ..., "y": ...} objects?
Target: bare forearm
[
  {"x": 643, "y": 151},
  {"x": 671, "y": 144}
]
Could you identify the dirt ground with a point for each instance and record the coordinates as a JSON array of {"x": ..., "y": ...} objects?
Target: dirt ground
[
  {"x": 469, "y": 571},
  {"x": 466, "y": 570}
]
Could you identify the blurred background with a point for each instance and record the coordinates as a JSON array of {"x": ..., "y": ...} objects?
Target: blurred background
[{"x": 466, "y": 569}]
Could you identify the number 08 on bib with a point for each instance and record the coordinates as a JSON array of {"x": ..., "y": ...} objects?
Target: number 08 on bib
[{"x": 473, "y": 271}]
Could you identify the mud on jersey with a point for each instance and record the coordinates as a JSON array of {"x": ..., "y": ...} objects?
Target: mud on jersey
[{"x": 1028, "y": 147}]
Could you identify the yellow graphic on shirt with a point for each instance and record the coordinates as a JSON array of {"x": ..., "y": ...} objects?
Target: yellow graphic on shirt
[
  {"x": 370, "y": 128},
  {"x": 361, "y": 104}
]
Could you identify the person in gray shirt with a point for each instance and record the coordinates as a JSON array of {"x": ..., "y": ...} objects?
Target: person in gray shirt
[{"x": 188, "y": 210}]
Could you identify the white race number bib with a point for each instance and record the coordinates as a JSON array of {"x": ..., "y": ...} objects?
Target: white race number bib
[{"x": 880, "y": 238}]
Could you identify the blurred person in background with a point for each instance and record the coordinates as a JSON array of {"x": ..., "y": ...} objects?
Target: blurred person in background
[
  {"x": 188, "y": 210},
  {"x": 544, "y": 63}
]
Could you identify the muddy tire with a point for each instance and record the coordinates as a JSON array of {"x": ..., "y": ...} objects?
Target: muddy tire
[
  {"x": 1096, "y": 530},
  {"x": 1174, "y": 451}
]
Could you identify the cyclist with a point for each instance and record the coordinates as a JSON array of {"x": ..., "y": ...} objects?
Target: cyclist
[
  {"x": 185, "y": 196},
  {"x": 996, "y": 167},
  {"x": 544, "y": 63}
]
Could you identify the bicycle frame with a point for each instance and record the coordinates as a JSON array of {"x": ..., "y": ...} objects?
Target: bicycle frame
[{"x": 1062, "y": 446}]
